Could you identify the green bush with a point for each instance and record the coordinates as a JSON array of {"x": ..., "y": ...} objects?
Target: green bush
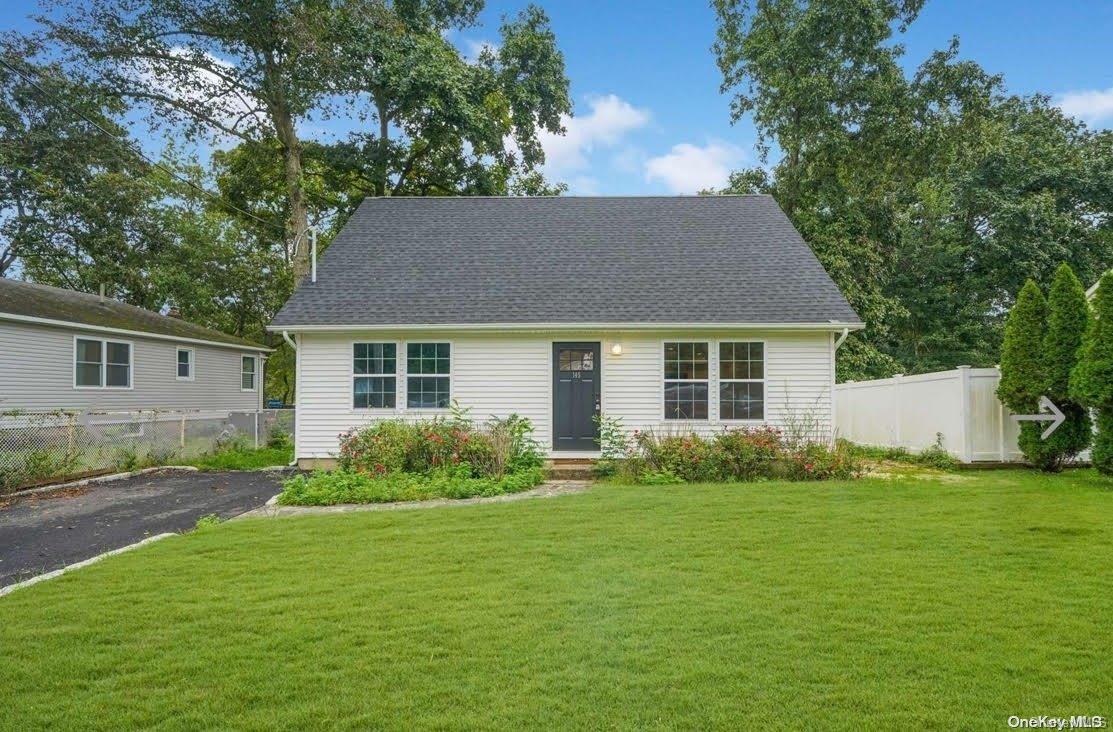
[
  {"x": 1091, "y": 382},
  {"x": 758, "y": 453},
  {"x": 747, "y": 454},
  {"x": 1068, "y": 317},
  {"x": 341, "y": 486},
  {"x": 500, "y": 447},
  {"x": 1022, "y": 369},
  {"x": 817, "y": 461},
  {"x": 688, "y": 457},
  {"x": 243, "y": 458}
]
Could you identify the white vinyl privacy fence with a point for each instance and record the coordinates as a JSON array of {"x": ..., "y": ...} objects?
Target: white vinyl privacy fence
[
  {"x": 909, "y": 411},
  {"x": 36, "y": 447}
]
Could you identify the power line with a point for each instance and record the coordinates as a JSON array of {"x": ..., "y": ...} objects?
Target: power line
[{"x": 138, "y": 150}]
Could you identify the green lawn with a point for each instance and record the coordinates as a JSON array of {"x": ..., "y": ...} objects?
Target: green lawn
[{"x": 907, "y": 603}]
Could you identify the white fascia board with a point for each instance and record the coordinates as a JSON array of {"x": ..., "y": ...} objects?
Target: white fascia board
[
  {"x": 579, "y": 327},
  {"x": 122, "y": 331}
]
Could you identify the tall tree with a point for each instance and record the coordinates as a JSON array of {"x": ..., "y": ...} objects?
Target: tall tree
[
  {"x": 1091, "y": 381},
  {"x": 1022, "y": 369},
  {"x": 929, "y": 198},
  {"x": 78, "y": 207},
  {"x": 446, "y": 124},
  {"x": 1068, "y": 317},
  {"x": 249, "y": 70}
]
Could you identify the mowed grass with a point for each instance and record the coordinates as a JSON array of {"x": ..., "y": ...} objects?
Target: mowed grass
[{"x": 904, "y": 603}]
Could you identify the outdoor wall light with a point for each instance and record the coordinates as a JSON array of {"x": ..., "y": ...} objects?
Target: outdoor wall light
[{"x": 616, "y": 349}]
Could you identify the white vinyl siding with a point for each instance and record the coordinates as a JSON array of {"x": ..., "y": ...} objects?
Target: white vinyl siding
[
  {"x": 37, "y": 373},
  {"x": 499, "y": 374}
]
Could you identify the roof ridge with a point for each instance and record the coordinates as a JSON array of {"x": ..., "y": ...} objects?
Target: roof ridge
[{"x": 82, "y": 299}]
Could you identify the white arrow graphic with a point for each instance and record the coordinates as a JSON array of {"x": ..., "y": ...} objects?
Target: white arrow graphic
[{"x": 1048, "y": 411}]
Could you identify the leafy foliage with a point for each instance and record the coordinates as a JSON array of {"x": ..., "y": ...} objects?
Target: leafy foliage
[
  {"x": 1068, "y": 316},
  {"x": 1091, "y": 382},
  {"x": 759, "y": 453},
  {"x": 498, "y": 448},
  {"x": 342, "y": 486},
  {"x": 905, "y": 186}
]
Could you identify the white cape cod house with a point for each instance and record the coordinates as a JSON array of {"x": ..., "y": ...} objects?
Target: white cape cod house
[{"x": 691, "y": 313}]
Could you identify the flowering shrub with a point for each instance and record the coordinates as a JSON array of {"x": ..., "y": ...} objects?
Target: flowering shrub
[
  {"x": 393, "y": 446},
  {"x": 746, "y": 454}
]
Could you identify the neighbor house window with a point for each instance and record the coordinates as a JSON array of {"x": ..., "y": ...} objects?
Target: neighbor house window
[
  {"x": 185, "y": 364},
  {"x": 427, "y": 375},
  {"x": 741, "y": 380},
  {"x": 374, "y": 366},
  {"x": 686, "y": 368},
  {"x": 102, "y": 364},
  {"x": 247, "y": 373}
]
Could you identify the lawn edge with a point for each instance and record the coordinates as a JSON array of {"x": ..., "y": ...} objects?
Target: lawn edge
[
  {"x": 548, "y": 489},
  {"x": 83, "y": 563}
]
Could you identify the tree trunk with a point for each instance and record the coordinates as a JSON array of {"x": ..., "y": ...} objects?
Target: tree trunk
[
  {"x": 384, "y": 149},
  {"x": 297, "y": 226}
]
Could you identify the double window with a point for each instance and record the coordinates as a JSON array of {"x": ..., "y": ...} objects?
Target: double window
[
  {"x": 101, "y": 364},
  {"x": 741, "y": 385},
  {"x": 375, "y": 375},
  {"x": 248, "y": 374}
]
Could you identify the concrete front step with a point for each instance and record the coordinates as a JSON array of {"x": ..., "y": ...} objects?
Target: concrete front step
[{"x": 569, "y": 469}]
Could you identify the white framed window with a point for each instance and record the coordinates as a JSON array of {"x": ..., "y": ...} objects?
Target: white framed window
[
  {"x": 249, "y": 376},
  {"x": 741, "y": 380},
  {"x": 686, "y": 380},
  {"x": 184, "y": 364},
  {"x": 428, "y": 375},
  {"x": 99, "y": 363},
  {"x": 374, "y": 375}
]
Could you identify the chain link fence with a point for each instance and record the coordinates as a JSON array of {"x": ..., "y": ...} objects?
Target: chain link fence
[{"x": 42, "y": 447}]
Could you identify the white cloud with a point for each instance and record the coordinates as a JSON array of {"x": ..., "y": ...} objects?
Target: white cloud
[
  {"x": 609, "y": 120},
  {"x": 689, "y": 168},
  {"x": 1089, "y": 105},
  {"x": 474, "y": 47},
  {"x": 184, "y": 77}
]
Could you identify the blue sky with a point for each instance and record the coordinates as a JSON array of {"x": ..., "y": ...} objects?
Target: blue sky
[{"x": 649, "y": 116}]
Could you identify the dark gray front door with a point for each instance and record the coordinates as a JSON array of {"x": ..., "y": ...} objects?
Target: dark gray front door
[{"x": 575, "y": 396}]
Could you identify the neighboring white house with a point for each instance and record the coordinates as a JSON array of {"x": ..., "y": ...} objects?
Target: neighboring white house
[
  {"x": 675, "y": 313},
  {"x": 61, "y": 349}
]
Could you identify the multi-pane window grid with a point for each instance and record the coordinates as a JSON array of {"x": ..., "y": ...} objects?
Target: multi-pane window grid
[
  {"x": 375, "y": 366},
  {"x": 576, "y": 360},
  {"x": 686, "y": 379},
  {"x": 741, "y": 380},
  {"x": 428, "y": 366}
]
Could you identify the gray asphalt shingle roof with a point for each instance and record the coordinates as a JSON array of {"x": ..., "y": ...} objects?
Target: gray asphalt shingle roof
[
  {"x": 54, "y": 303},
  {"x": 567, "y": 260}
]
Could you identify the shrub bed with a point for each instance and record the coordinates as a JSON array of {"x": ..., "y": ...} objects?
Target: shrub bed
[
  {"x": 394, "y": 460},
  {"x": 746, "y": 454}
]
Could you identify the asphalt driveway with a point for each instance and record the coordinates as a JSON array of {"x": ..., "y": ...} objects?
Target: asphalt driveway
[{"x": 43, "y": 532}]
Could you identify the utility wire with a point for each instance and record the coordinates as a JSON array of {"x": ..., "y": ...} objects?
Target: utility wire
[{"x": 139, "y": 151}]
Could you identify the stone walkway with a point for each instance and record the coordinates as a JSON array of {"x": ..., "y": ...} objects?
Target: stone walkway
[{"x": 549, "y": 489}]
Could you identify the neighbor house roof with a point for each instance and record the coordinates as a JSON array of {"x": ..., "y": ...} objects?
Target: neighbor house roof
[
  {"x": 25, "y": 301},
  {"x": 568, "y": 261}
]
